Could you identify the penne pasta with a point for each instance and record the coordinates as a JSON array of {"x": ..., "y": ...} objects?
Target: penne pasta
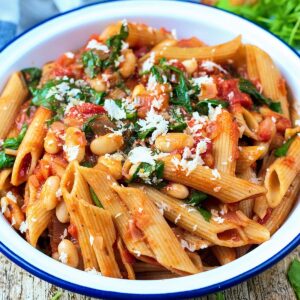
[
  {"x": 232, "y": 189},
  {"x": 11, "y": 99},
  {"x": 281, "y": 174},
  {"x": 224, "y": 255},
  {"x": 166, "y": 248},
  {"x": 30, "y": 149},
  {"x": 5, "y": 179},
  {"x": 218, "y": 53}
]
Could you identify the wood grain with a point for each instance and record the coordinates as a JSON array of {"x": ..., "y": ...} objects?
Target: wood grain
[{"x": 15, "y": 284}]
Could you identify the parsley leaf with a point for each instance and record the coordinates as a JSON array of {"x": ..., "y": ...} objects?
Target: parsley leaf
[
  {"x": 248, "y": 87},
  {"x": 32, "y": 77},
  {"x": 87, "y": 128},
  {"x": 294, "y": 276},
  {"x": 156, "y": 72},
  {"x": 195, "y": 199},
  {"x": 177, "y": 122},
  {"x": 92, "y": 63},
  {"x": 143, "y": 134},
  {"x": 149, "y": 174},
  {"x": 14, "y": 143},
  {"x": 6, "y": 161},
  {"x": 202, "y": 106},
  {"x": 282, "y": 151},
  {"x": 95, "y": 198}
]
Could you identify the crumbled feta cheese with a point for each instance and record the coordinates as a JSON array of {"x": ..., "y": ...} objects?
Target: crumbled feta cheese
[
  {"x": 115, "y": 156},
  {"x": 162, "y": 207},
  {"x": 152, "y": 82},
  {"x": 204, "y": 246},
  {"x": 218, "y": 219},
  {"x": 91, "y": 240},
  {"x": 185, "y": 245},
  {"x": 11, "y": 196},
  {"x": 216, "y": 174},
  {"x": 124, "y": 46},
  {"x": 177, "y": 218},
  {"x": 210, "y": 65},
  {"x": 230, "y": 96},
  {"x": 113, "y": 110},
  {"x": 69, "y": 54},
  {"x": 93, "y": 44},
  {"x": 64, "y": 235},
  {"x": 154, "y": 120},
  {"x": 93, "y": 271},
  {"x": 273, "y": 119},
  {"x": 72, "y": 102},
  {"x": 3, "y": 205},
  {"x": 217, "y": 189},
  {"x": 140, "y": 210},
  {"x": 71, "y": 152},
  {"x": 13, "y": 221},
  {"x": 137, "y": 253},
  {"x": 141, "y": 154},
  {"x": 63, "y": 257},
  {"x": 195, "y": 227},
  {"x": 157, "y": 103},
  {"x": 119, "y": 60},
  {"x": 148, "y": 63},
  {"x": 23, "y": 227},
  {"x": 58, "y": 193},
  {"x": 214, "y": 112},
  {"x": 202, "y": 80}
]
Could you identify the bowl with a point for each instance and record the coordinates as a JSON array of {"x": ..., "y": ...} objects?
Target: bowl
[{"x": 68, "y": 31}]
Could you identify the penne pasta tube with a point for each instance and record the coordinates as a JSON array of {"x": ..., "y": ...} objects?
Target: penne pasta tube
[
  {"x": 281, "y": 174},
  {"x": 37, "y": 219},
  {"x": 5, "y": 179},
  {"x": 280, "y": 213},
  {"x": 196, "y": 260},
  {"x": 260, "y": 66},
  {"x": 138, "y": 34},
  {"x": 101, "y": 182},
  {"x": 227, "y": 188},
  {"x": 102, "y": 236},
  {"x": 31, "y": 147},
  {"x": 74, "y": 188},
  {"x": 191, "y": 220},
  {"x": 47, "y": 73},
  {"x": 225, "y": 144},
  {"x": 11, "y": 99},
  {"x": 124, "y": 258},
  {"x": 218, "y": 53},
  {"x": 224, "y": 255},
  {"x": 249, "y": 155},
  {"x": 158, "y": 234}
]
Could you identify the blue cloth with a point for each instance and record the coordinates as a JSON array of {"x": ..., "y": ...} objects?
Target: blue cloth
[{"x": 7, "y": 32}]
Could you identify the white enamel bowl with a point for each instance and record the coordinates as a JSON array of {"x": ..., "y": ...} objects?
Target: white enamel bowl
[{"x": 69, "y": 31}]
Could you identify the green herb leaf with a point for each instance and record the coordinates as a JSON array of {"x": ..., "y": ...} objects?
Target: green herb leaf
[
  {"x": 14, "y": 143},
  {"x": 294, "y": 276},
  {"x": 87, "y": 128},
  {"x": 203, "y": 106},
  {"x": 56, "y": 296},
  {"x": 220, "y": 296},
  {"x": 282, "y": 151},
  {"x": 196, "y": 198},
  {"x": 95, "y": 198},
  {"x": 87, "y": 164},
  {"x": 205, "y": 213},
  {"x": 148, "y": 173},
  {"x": 6, "y": 161},
  {"x": 248, "y": 87},
  {"x": 156, "y": 72},
  {"x": 32, "y": 77},
  {"x": 177, "y": 123},
  {"x": 143, "y": 134},
  {"x": 92, "y": 63}
]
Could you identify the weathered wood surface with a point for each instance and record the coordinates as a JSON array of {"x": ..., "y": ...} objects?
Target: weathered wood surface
[{"x": 16, "y": 284}]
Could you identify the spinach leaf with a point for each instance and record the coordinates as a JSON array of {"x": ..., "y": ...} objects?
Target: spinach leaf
[
  {"x": 248, "y": 87},
  {"x": 95, "y": 198},
  {"x": 195, "y": 199},
  {"x": 14, "y": 143},
  {"x": 294, "y": 276},
  {"x": 282, "y": 151},
  {"x": 115, "y": 45},
  {"x": 92, "y": 63},
  {"x": 148, "y": 173},
  {"x": 32, "y": 77},
  {"x": 6, "y": 161},
  {"x": 177, "y": 122},
  {"x": 156, "y": 72},
  {"x": 202, "y": 106},
  {"x": 143, "y": 134}
]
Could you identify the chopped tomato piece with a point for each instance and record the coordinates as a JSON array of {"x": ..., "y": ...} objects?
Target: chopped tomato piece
[
  {"x": 266, "y": 129},
  {"x": 73, "y": 231}
]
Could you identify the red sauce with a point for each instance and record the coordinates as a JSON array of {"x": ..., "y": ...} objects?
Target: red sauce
[
  {"x": 25, "y": 166},
  {"x": 72, "y": 230},
  {"x": 231, "y": 234},
  {"x": 266, "y": 129}
]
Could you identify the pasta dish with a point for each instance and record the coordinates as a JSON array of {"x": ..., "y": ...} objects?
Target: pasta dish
[{"x": 145, "y": 156}]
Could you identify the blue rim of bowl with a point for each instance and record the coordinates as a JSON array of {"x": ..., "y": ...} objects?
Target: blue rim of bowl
[{"x": 118, "y": 295}]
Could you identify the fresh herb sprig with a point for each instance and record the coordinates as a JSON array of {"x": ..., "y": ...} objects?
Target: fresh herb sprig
[
  {"x": 282, "y": 151},
  {"x": 196, "y": 199},
  {"x": 203, "y": 106},
  {"x": 248, "y": 87},
  {"x": 14, "y": 143},
  {"x": 32, "y": 77},
  {"x": 95, "y": 198},
  {"x": 149, "y": 174},
  {"x": 6, "y": 161}
]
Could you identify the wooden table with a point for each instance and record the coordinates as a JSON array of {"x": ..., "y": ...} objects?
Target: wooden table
[{"x": 15, "y": 284}]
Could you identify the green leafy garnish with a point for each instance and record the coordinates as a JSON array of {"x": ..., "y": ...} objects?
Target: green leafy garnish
[
  {"x": 95, "y": 198},
  {"x": 294, "y": 276},
  {"x": 87, "y": 164},
  {"x": 177, "y": 122},
  {"x": 115, "y": 45},
  {"x": 282, "y": 17},
  {"x": 282, "y": 151},
  {"x": 220, "y": 296},
  {"x": 56, "y": 296},
  {"x": 92, "y": 63},
  {"x": 6, "y": 161},
  {"x": 14, "y": 143},
  {"x": 248, "y": 87},
  {"x": 203, "y": 106},
  {"x": 144, "y": 134},
  {"x": 157, "y": 73},
  {"x": 87, "y": 128},
  {"x": 149, "y": 174},
  {"x": 196, "y": 199},
  {"x": 32, "y": 77},
  {"x": 131, "y": 114}
]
